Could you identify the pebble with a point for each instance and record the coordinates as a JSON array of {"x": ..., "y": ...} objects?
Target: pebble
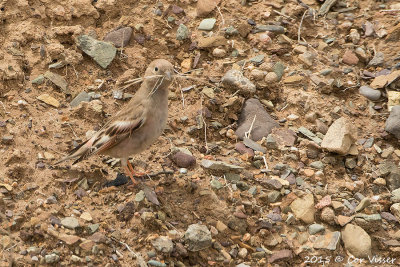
[
  {"x": 271, "y": 77},
  {"x": 119, "y": 37},
  {"x": 392, "y": 124},
  {"x": 207, "y": 24},
  {"x": 257, "y": 74},
  {"x": 102, "y": 53},
  {"x": 163, "y": 244},
  {"x": 183, "y": 160},
  {"x": 315, "y": 228},
  {"x": 370, "y": 93},
  {"x": 156, "y": 263},
  {"x": 269, "y": 28},
  {"x": 327, "y": 241},
  {"x": 263, "y": 124},
  {"x": 234, "y": 79},
  {"x": 197, "y": 237},
  {"x": 38, "y": 80},
  {"x": 70, "y": 222},
  {"x": 377, "y": 60},
  {"x": 303, "y": 208},
  {"x": 81, "y": 97},
  {"x": 339, "y": 137},
  {"x": 242, "y": 253},
  {"x": 356, "y": 241},
  {"x": 58, "y": 80},
  {"x": 204, "y": 7},
  {"x": 51, "y": 258},
  {"x": 46, "y": 98},
  {"x": 219, "y": 52},
  {"x": 219, "y": 166},
  {"x": 350, "y": 58}
]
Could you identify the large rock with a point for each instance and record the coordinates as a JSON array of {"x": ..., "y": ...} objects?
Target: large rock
[
  {"x": 340, "y": 137},
  {"x": 303, "y": 208},
  {"x": 234, "y": 79},
  {"x": 198, "y": 237},
  {"x": 101, "y": 52},
  {"x": 263, "y": 124},
  {"x": 205, "y": 7},
  {"x": 393, "y": 122},
  {"x": 356, "y": 241}
]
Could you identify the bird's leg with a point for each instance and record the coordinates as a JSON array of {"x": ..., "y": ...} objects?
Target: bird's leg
[
  {"x": 125, "y": 163},
  {"x": 130, "y": 174},
  {"x": 134, "y": 173}
]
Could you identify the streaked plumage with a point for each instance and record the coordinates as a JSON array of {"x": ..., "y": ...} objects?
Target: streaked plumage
[{"x": 135, "y": 127}]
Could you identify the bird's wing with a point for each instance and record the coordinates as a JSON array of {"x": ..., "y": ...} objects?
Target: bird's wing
[{"x": 122, "y": 126}]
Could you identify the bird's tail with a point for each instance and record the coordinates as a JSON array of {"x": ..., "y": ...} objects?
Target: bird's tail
[{"x": 79, "y": 153}]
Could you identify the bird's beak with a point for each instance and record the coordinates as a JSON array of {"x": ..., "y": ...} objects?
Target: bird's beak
[{"x": 168, "y": 75}]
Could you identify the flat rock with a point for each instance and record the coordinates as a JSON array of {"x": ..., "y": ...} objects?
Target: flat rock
[
  {"x": 101, "y": 52},
  {"x": 280, "y": 255},
  {"x": 197, "y": 237},
  {"x": 263, "y": 124},
  {"x": 392, "y": 124},
  {"x": 58, "y": 80},
  {"x": 356, "y": 241},
  {"x": 327, "y": 241},
  {"x": 339, "y": 137},
  {"x": 70, "y": 222},
  {"x": 81, "y": 97},
  {"x": 234, "y": 79},
  {"x": 207, "y": 24},
  {"x": 163, "y": 244},
  {"x": 219, "y": 165},
  {"x": 119, "y": 37},
  {"x": 303, "y": 208},
  {"x": 284, "y": 137},
  {"x": 370, "y": 93},
  {"x": 46, "y": 98},
  {"x": 253, "y": 145}
]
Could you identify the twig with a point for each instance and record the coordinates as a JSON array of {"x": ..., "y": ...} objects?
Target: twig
[
  {"x": 126, "y": 245},
  {"x": 182, "y": 96},
  {"x": 76, "y": 73},
  {"x": 204, "y": 122},
  {"x": 390, "y": 10},
  {"x": 222, "y": 17},
  {"x": 299, "y": 29},
  {"x": 265, "y": 162},
  {"x": 247, "y": 134},
  {"x": 283, "y": 15}
]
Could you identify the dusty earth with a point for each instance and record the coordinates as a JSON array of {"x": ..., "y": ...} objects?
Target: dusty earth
[{"x": 252, "y": 222}]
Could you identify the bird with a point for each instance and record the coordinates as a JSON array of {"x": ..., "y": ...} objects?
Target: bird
[{"x": 137, "y": 125}]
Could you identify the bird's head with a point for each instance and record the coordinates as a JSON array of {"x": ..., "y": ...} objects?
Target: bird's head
[{"x": 158, "y": 75}]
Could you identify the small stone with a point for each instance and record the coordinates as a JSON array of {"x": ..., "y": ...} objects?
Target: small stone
[
  {"x": 271, "y": 77},
  {"x": 86, "y": 216},
  {"x": 183, "y": 160},
  {"x": 327, "y": 241},
  {"x": 7, "y": 140},
  {"x": 303, "y": 208},
  {"x": 49, "y": 100},
  {"x": 219, "y": 166},
  {"x": 119, "y": 37},
  {"x": 377, "y": 60},
  {"x": 38, "y": 80},
  {"x": 51, "y": 258},
  {"x": 204, "y": 7},
  {"x": 328, "y": 215},
  {"x": 315, "y": 228},
  {"x": 350, "y": 58},
  {"x": 370, "y": 93},
  {"x": 221, "y": 227},
  {"x": 242, "y": 253},
  {"x": 356, "y": 241},
  {"x": 198, "y": 237},
  {"x": 257, "y": 60},
  {"x": 207, "y": 24},
  {"x": 58, "y": 80},
  {"x": 81, "y": 97},
  {"x": 339, "y": 137},
  {"x": 182, "y": 33},
  {"x": 281, "y": 255},
  {"x": 257, "y": 74},
  {"x": 216, "y": 184},
  {"x": 234, "y": 79},
  {"x": 156, "y": 263},
  {"x": 392, "y": 124},
  {"x": 101, "y": 52},
  {"x": 163, "y": 244},
  {"x": 219, "y": 53},
  {"x": 70, "y": 222}
]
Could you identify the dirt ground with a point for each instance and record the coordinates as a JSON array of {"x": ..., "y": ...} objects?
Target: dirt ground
[{"x": 35, "y": 196}]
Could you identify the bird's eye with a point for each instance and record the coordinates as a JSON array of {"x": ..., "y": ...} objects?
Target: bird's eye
[{"x": 156, "y": 68}]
